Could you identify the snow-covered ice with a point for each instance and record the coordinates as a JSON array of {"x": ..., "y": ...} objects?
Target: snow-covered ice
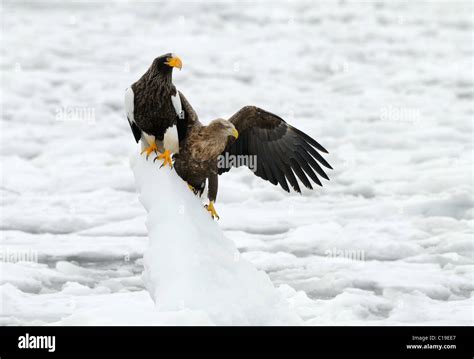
[
  {"x": 190, "y": 264},
  {"x": 386, "y": 87}
]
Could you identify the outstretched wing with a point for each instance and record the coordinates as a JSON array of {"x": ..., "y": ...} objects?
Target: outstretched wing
[
  {"x": 129, "y": 108},
  {"x": 282, "y": 151}
]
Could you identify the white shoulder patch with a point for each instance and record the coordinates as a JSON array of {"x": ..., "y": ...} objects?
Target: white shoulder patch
[
  {"x": 176, "y": 100},
  {"x": 129, "y": 104}
]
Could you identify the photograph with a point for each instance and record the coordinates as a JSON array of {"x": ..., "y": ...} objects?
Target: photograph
[{"x": 275, "y": 167}]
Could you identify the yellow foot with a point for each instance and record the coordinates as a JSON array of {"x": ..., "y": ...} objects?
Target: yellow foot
[
  {"x": 151, "y": 148},
  {"x": 166, "y": 157},
  {"x": 210, "y": 208}
]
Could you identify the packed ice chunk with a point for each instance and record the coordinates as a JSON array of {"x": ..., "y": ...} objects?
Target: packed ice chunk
[{"x": 190, "y": 264}]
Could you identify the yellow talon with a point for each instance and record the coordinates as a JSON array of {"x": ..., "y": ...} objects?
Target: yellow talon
[
  {"x": 194, "y": 190},
  {"x": 151, "y": 148},
  {"x": 166, "y": 157},
  {"x": 210, "y": 208}
]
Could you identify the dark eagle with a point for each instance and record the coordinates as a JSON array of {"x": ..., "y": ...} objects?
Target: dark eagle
[
  {"x": 156, "y": 110},
  {"x": 283, "y": 152}
]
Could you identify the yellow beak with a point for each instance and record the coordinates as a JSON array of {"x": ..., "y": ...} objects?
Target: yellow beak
[
  {"x": 174, "y": 62},
  {"x": 235, "y": 133}
]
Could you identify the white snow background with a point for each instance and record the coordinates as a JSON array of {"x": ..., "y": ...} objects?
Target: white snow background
[{"x": 386, "y": 87}]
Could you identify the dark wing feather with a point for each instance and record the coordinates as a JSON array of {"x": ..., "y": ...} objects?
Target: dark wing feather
[
  {"x": 190, "y": 118},
  {"x": 137, "y": 133},
  {"x": 283, "y": 152}
]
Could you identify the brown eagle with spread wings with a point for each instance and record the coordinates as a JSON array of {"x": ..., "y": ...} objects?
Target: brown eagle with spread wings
[{"x": 282, "y": 152}]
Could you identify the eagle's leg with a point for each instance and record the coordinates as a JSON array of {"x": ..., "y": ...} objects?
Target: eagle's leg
[
  {"x": 212, "y": 194},
  {"x": 151, "y": 148},
  {"x": 166, "y": 157},
  {"x": 210, "y": 208}
]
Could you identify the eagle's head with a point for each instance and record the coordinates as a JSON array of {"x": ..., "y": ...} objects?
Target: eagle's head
[
  {"x": 224, "y": 129},
  {"x": 164, "y": 64}
]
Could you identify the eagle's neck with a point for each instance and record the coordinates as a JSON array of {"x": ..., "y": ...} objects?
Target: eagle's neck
[
  {"x": 160, "y": 83},
  {"x": 165, "y": 79}
]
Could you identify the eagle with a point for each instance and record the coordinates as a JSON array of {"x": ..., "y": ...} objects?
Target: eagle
[
  {"x": 283, "y": 153},
  {"x": 156, "y": 111}
]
